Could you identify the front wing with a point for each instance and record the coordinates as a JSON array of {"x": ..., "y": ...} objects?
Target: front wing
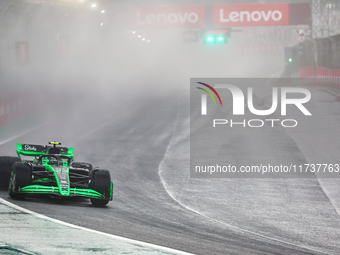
[{"x": 74, "y": 192}]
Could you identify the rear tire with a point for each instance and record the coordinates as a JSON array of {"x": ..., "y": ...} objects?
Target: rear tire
[
  {"x": 21, "y": 176},
  {"x": 6, "y": 163},
  {"x": 101, "y": 182}
]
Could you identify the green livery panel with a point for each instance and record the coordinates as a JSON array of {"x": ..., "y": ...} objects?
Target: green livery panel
[
  {"x": 51, "y": 170},
  {"x": 39, "y": 150}
]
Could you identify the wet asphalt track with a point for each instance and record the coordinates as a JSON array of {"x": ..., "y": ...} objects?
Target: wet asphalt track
[{"x": 241, "y": 217}]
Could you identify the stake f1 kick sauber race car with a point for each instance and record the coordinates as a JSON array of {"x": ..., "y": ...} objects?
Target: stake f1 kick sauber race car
[{"x": 53, "y": 172}]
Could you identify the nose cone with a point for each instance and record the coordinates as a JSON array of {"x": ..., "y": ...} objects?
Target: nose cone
[{"x": 63, "y": 181}]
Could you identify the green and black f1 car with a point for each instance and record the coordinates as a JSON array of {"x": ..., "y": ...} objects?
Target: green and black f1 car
[{"x": 53, "y": 172}]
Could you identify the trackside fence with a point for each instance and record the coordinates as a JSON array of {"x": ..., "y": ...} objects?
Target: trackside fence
[{"x": 317, "y": 58}]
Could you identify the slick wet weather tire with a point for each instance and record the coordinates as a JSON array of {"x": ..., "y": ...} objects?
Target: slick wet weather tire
[
  {"x": 6, "y": 163},
  {"x": 21, "y": 176},
  {"x": 101, "y": 182}
]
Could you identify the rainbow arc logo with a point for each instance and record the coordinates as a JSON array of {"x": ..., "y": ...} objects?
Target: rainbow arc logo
[{"x": 204, "y": 97}]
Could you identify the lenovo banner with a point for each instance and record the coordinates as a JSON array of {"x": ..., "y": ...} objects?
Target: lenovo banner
[
  {"x": 245, "y": 15},
  {"x": 168, "y": 17},
  {"x": 234, "y": 15}
]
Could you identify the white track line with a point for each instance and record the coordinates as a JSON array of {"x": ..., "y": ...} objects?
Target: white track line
[
  {"x": 235, "y": 228},
  {"x": 124, "y": 239},
  {"x": 23, "y": 133},
  {"x": 324, "y": 189}
]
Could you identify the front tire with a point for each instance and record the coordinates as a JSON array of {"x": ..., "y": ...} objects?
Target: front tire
[
  {"x": 6, "y": 164},
  {"x": 101, "y": 182},
  {"x": 21, "y": 176}
]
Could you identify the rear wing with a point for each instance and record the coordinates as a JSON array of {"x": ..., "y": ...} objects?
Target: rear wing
[{"x": 39, "y": 150}]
